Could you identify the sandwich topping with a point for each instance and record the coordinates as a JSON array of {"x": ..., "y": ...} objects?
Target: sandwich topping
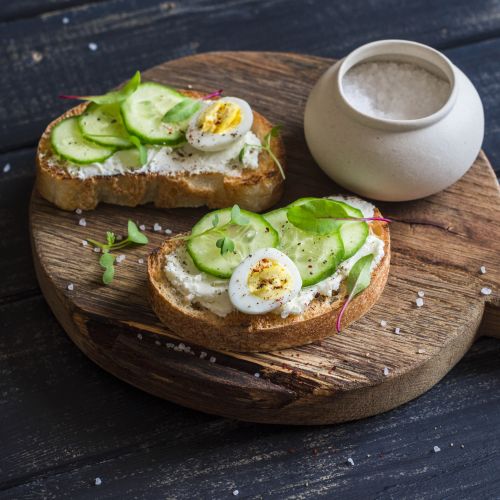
[
  {"x": 151, "y": 128},
  {"x": 283, "y": 272}
]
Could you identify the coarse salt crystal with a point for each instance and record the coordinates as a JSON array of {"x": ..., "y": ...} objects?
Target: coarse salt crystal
[
  {"x": 120, "y": 258},
  {"x": 97, "y": 249},
  {"x": 6, "y": 168},
  {"x": 212, "y": 359},
  {"x": 394, "y": 90},
  {"x": 421, "y": 293},
  {"x": 203, "y": 355},
  {"x": 65, "y": 20},
  {"x": 157, "y": 342},
  {"x": 139, "y": 336},
  {"x": 170, "y": 345},
  {"x": 236, "y": 493},
  {"x": 482, "y": 269},
  {"x": 119, "y": 237},
  {"x": 419, "y": 302},
  {"x": 383, "y": 323},
  {"x": 98, "y": 481},
  {"x": 85, "y": 243},
  {"x": 71, "y": 287},
  {"x": 168, "y": 231},
  {"x": 78, "y": 211},
  {"x": 82, "y": 222},
  {"x": 142, "y": 227},
  {"x": 156, "y": 227},
  {"x": 140, "y": 261},
  {"x": 350, "y": 461},
  {"x": 256, "y": 375},
  {"x": 397, "y": 330},
  {"x": 437, "y": 449},
  {"x": 486, "y": 291},
  {"x": 386, "y": 371},
  {"x": 190, "y": 86},
  {"x": 93, "y": 46},
  {"x": 421, "y": 351}
]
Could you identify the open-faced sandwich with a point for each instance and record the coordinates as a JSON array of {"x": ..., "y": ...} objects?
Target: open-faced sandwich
[
  {"x": 150, "y": 143},
  {"x": 248, "y": 282}
]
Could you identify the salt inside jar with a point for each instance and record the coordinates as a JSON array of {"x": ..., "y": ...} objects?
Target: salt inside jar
[{"x": 394, "y": 90}]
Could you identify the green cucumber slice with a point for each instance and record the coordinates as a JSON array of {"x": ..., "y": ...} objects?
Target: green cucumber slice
[
  {"x": 144, "y": 110},
  {"x": 353, "y": 233},
  {"x": 315, "y": 256},
  {"x": 103, "y": 124},
  {"x": 69, "y": 143},
  {"x": 258, "y": 233}
]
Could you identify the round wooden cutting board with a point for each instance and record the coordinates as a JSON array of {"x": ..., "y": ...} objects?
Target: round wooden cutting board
[{"x": 438, "y": 246}]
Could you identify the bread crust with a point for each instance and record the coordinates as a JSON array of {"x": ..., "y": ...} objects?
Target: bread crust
[
  {"x": 256, "y": 189},
  {"x": 247, "y": 333}
]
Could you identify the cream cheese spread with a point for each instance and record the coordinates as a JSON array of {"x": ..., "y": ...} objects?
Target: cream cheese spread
[
  {"x": 170, "y": 161},
  {"x": 212, "y": 293}
]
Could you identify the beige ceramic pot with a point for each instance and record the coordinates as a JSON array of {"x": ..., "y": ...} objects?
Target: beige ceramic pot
[{"x": 394, "y": 160}]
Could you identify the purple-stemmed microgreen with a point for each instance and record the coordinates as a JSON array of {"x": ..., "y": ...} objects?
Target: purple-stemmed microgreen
[
  {"x": 357, "y": 280},
  {"x": 212, "y": 95}
]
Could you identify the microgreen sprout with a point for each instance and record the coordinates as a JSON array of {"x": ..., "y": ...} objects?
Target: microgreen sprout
[
  {"x": 107, "y": 260},
  {"x": 266, "y": 146},
  {"x": 217, "y": 93}
]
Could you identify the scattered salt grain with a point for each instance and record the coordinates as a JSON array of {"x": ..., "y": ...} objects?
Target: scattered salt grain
[
  {"x": 71, "y": 287},
  {"x": 419, "y": 302},
  {"x": 383, "y": 323},
  {"x": 119, "y": 237},
  {"x": 98, "y": 481},
  {"x": 451, "y": 444},
  {"x": 256, "y": 375},
  {"x": 436, "y": 449},
  {"x": 168, "y": 231},
  {"x": 462, "y": 446},
  {"x": 97, "y": 249},
  {"x": 93, "y": 46},
  {"x": 84, "y": 243},
  {"x": 486, "y": 291},
  {"x": 350, "y": 461},
  {"x": 82, "y": 222},
  {"x": 181, "y": 346},
  {"x": 212, "y": 359},
  {"x": 6, "y": 168},
  {"x": 170, "y": 345},
  {"x": 36, "y": 56},
  {"x": 139, "y": 336},
  {"x": 397, "y": 330},
  {"x": 65, "y": 20},
  {"x": 394, "y": 90},
  {"x": 421, "y": 293},
  {"x": 78, "y": 211},
  {"x": 421, "y": 351},
  {"x": 386, "y": 371},
  {"x": 156, "y": 227},
  {"x": 482, "y": 269},
  {"x": 190, "y": 86},
  {"x": 203, "y": 355},
  {"x": 142, "y": 227},
  {"x": 140, "y": 261},
  {"x": 236, "y": 493},
  {"x": 157, "y": 342},
  {"x": 120, "y": 258}
]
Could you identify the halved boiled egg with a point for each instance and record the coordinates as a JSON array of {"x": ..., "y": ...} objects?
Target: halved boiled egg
[
  {"x": 219, "y": 123},
  {"x": 264, "y": 281}
]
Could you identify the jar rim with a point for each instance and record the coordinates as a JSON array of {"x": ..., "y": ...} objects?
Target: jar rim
[{"x": 404, "y": 51}]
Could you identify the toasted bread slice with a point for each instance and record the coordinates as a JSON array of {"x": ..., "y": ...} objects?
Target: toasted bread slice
[
  {"x": 243, "y": 332},
  {"x": 255, "y": 189}
]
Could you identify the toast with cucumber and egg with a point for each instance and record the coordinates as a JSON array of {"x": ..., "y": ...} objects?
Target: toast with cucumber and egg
[
  {"x": 150, "y": 143},
  {"x": 242, "y": 281}
]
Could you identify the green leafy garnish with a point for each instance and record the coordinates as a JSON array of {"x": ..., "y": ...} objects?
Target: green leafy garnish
[
  {"x": 266, "y": 146},
  {"x": 143, "y": 153},
  {"x": 320, "y": 216},
  {"x": 358, "y": 279},
  {"x": 237, "y": 217},
  {"x": 113, "y": 97},
  {"x": 225, "y": 244},
  {"x": 182, "y": 111},
  {"x": 107, "y": 259}
]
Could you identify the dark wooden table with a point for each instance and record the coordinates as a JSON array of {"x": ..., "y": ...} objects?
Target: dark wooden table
[{"x": 64, "y": 422}]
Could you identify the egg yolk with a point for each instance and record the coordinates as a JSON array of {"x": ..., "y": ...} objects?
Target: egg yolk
[
  {"x": 220, "y": 117},
  {"x": 269, "y": 280}
]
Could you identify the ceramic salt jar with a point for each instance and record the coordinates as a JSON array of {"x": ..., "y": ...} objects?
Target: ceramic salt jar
[{"x": 395, "y": 120}]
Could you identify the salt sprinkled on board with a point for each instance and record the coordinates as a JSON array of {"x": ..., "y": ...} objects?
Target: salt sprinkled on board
[
  {"x": 139, "y": 336},
  {"x": 482, "y": 269},
  {"x": 93, "y": 46},
  {"x": 65, "y": 20},
  {"x": 140, "y": 261},
  {"x": 168, "y": 231},
  {"x": 419, "y": 302},
  {"x": 350, "y": 461},
  {"x": 156, "y": 227},
  {"x": 486, "y": 291},
  {"x": 97, "y": 249},
  {"x": 71, "y": 287},
  {"x": 256, "y": 375},
  {"x": 383, "y": 323},
  {"x": 78, "y": 211},
  {"x": 82, "y": 222},
  {"x": 421, "y": 293},
  {"x": 120, "y": 258},
  {"x": 203, "y": 355},
  {"x": 436, "y": 449},
  {"x": 98, "y": 481},
  {"x": 212, "y": 359},
  {"x": 84, "y": 243},
  {"x": 6, "y": 168},
  {"x": 236, "y": 493},
  {"x": 142, "y": 227},
  {"x": 394, "y": 90},
  {"x": 386, "y": 371},
  {"x": 397, "y": 330}
]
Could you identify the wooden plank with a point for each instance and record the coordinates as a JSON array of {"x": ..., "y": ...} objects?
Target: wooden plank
[
  {"x": 55, "y": 439},
  {"x": 47, "y": 58}
]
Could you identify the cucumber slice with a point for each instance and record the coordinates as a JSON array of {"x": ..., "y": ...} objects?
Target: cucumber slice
[
  {"x": 353, "y": 233},
  {"x": 144, "y": 110},
  {"x": 258, "y": 233},
  {"x": 103, "y": 124},
  {"x": 68, "y": 142},
  {"x": 315, "y": 256}
]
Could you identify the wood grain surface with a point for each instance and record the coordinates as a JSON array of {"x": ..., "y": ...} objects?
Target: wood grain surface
[{"x": 439, "y": 244}]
